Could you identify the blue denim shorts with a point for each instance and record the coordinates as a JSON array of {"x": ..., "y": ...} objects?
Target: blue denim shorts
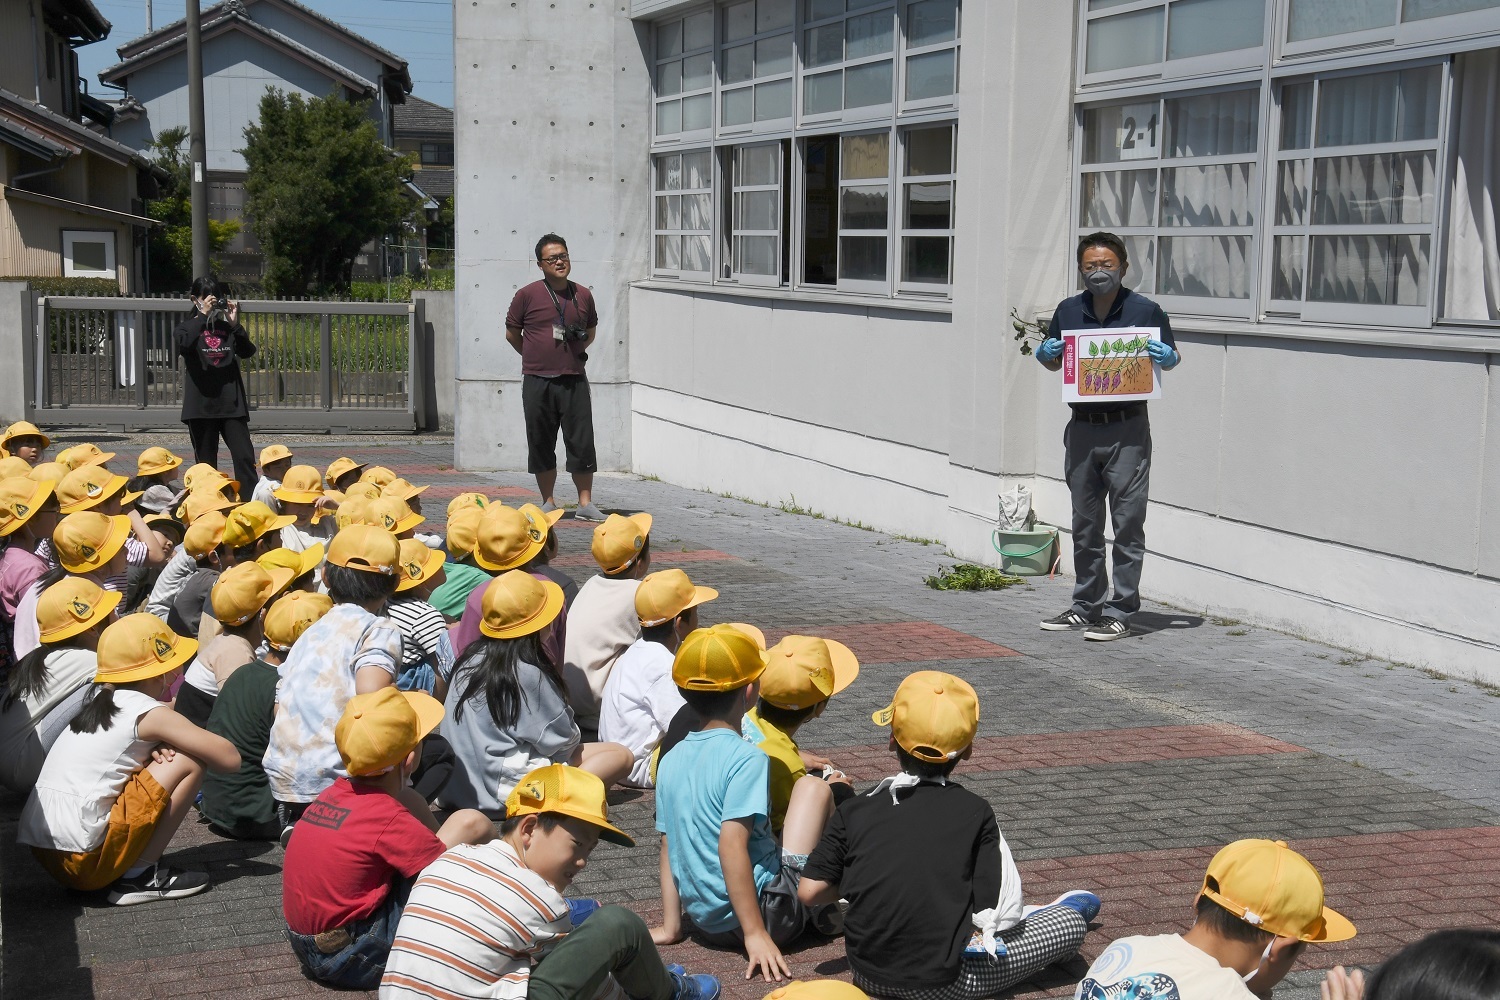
[{"x": 359, "y": 964}]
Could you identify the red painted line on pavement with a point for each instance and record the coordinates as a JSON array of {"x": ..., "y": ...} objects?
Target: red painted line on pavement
[{"x": 901, "y": 642}]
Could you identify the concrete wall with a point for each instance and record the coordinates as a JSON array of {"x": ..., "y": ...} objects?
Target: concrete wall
[
  {"x": 442, "y": 360},
  {"x": 15, "y": 339},
  {"x": 566, "y": 152}
]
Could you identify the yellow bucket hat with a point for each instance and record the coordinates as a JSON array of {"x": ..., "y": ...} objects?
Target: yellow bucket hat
[
  {"x": 88, "y": 486},
  {"x": 72, "y": 606},
  {"x": 20, "y": 500},
  {"x": 154, "y": 461},
  {"x": 80, "y": 455},
  {"x": 301, "y": 484},
  {"x": 392, "y": 514},
  {"x": 517, "y": 603},
  {"x": 88, "y": 540},
  {"x": 138, "y": 647},
  {"x": 20, "y": 429},
  {"x": 418, "y": 564},
  {"x": 13, "y": 467}
]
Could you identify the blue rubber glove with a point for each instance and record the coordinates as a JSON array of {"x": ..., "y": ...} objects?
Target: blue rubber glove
[
  {"x": 1162, "y": 353},
  {"x": 1049, "y": 350}
]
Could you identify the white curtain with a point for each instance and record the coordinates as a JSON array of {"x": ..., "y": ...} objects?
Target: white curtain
[{"x": 1473, "y": 286}]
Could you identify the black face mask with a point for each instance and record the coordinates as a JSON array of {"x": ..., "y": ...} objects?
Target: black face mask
[{"x": 1102, "y": 282}]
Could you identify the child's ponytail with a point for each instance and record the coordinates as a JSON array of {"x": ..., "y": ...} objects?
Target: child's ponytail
[{"x": 98, "y": 711}]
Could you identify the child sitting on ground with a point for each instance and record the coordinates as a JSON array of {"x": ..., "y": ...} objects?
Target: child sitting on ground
[
  {"x": 461, "y": 576},
  {"x": 121, "y": 779},
  {"x": 44, "y": 691},
  {"x": 354, "y": 649},
  {"x": 300, "y": 495},
  {"x": 412, "y": 497},
  {"x": 507, "y": 714},
  {"x": 921, "y": 861},
  {"x": 803, "y": 673},
  {"x": 25, "y": 440},
  {"x": 640, "y": 699},
  {"x": 720, "y": 863},
  {"x": 239, "y": 597},
  {"x": 275, "y": 460},
  {"x": 426, "y": 646},
  {"x": 342, "y": 473},
  {"x": 352, "y": 857},
  {"x": 1259, "y": 905},
  {"x": 251, "y": 530},
  {"x": 602, "y": 622},
  {"x": 154, "y": 467},
  {"x": 495, "y": 913},
  {"x": 28, "y": 516},
  {"x": 183, "y": 564},
  {"x": 240, "y": 804},
  {"x": 510, "y": 539},
  {"x": 204, "y": 541}
]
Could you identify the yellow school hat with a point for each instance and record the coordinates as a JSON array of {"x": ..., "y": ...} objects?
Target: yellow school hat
[
  {"x": 378, "y": 475},
  {"x": 340, "y": 466},
  {"x": 21, "y": 429},
  {"x": 250, "y": 522},
  {"x": 80, "y": 455},
  {"x": 1270, "y": 886},
  {"x": 199, "y": 474},
  {"x": 140, "y": 646},
  {"x": 418, "y": 564},
  {"x": 933, "y": 716},
  {"x": 818, "y": 989},
  {"x": 401, "y": 488},
  {"x": 721, "y": 658},
  {"x": 300, "y": 563},
  {"x": 544, "y": 519},
  {"x": 463, "y": 530},
  {"x": 14, "y": 466},
  {"x": 53, "y": 471},
  {"x": 154, "y": 461},
  {"x": 72, "y": 606},
  {"x": 805, "y": 670},
  {"x": 392, "y": 514},
  {"x": 362, "y": 491},
  {"x": 301, "y": 484},
  {"x": 88, "y": 540},
  {"x": 353, "y": 510},
  {"x": 291, "y": 614},
  {"x": 274, "y": 453},
  {"x": 664, "y": 595},
  {"x": 89, "y": 486},
  {"x": 200, "y": 502},
  {"x": 378, "y": 730},
  {"x": 243, "y": 589},
  {"x": 567, "y": 791},
  {"x": 506, "y": 539},
  {"x": 517, "y": 604},
  {"x": 466, "y": 500},
  {"x": 366, "y": 548},
  {"x": 20, "y": 499},
  {"x": 618, "y": 540},
  {"x": 205, "y": 534}
]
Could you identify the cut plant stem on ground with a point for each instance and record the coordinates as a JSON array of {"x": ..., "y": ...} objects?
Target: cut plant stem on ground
[{"x": 967, "y": 576}]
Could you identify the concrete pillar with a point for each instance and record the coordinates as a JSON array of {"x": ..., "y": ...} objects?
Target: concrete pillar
[
  {"x": 552, "y": 100},
  {"x": 15, "y": 332}
]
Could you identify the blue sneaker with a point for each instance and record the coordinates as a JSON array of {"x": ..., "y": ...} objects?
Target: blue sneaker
[
  {"x": 1086, "y": 903},
  {"x": 699, "y": 987},
  {"x": 580, "y": 910}
]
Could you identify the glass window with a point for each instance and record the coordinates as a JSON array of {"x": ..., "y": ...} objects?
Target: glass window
[
  {"x": 861, "y": 40},
  {"x": 684, "y": 74},
  {"x": 1145, "y": 40},
  {"x": 1421, "y": 10},
  {"x": 1121, "y": 41},
  {"x": 1203, "y": 27},
  {"x": 683, "y": 213},
  {"x": 755, "y": 83},
  {"x": 1309, "y": 19},
  {"x": 864, "y": 207},
  {"x": 756, "y": 230},
  {"x": 927, "y": 185}
]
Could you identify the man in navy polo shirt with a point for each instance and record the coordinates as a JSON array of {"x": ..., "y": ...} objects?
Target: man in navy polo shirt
[{"x": 1108, "y": 446}]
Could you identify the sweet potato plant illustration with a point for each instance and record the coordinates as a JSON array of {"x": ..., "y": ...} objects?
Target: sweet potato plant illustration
[{"x": 1115, "y": 367}]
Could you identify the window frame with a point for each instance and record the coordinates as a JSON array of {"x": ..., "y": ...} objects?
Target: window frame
[
  {"x": 754, "y": 126},
  {"x": 1400, "y": 32},
  {"x": 110, "y": 238},
  {"x": 732, "y": 189},
  {"x": 1309, "y": 311},
  {"x": 826, "y": 121},
  {"x": 680, "y": 233},
  {"x": 439, "y": 150},
  {"x": 1165, "y": 68},
  {"x": 901, "y": 181},
  {"x": 658, "y": 60},
  {"x": 906, "y": 52}
]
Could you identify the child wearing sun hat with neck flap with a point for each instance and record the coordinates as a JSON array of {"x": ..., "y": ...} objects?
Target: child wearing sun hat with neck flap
[
  {"x": 426, "y": 645},
  {"x": 24, "y": 440},
  {"x": 509, "y": 539},
  {"x": 602, "y": 621},
  {"x": 462, "y": 576},
  {"x": 919, "y": 854},
  {"x": 106, "y": 803},
  {"x": 492, "y": 921},
  {"x": 239, "y": 597}
]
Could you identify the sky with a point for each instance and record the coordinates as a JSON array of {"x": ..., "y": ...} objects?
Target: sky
[{"x": 420, "y": 31}]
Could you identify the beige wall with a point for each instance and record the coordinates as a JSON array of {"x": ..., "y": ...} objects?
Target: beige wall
[{"x": 31, "y": 240}]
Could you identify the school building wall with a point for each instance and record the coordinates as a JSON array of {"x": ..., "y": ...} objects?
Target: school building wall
[{"x": 1340, "y": 484}]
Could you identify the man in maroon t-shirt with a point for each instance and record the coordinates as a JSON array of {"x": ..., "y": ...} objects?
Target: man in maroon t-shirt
[{"x": 551, "y": 324}]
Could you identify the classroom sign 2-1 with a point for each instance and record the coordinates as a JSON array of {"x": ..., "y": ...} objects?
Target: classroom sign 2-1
[{"x": 1106, "y": 366}]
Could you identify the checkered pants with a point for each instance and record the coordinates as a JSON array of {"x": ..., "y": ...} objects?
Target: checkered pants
[{"x": 1048, "y": 935}]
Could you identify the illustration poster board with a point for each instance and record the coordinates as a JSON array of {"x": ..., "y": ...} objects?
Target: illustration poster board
[{"x": 1107, "y": 366}]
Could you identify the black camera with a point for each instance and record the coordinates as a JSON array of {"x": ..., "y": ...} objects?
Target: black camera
[
  {"x": 575, "y": 331},
  {"x": 219, "y": 314}
]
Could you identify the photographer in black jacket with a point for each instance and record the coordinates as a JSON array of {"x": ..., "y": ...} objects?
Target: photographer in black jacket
[{"x": 211, "y": 342}]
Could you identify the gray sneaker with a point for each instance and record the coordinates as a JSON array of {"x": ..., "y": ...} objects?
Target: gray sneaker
[
  {"x": 1065, "y": 622},
  {"x": 1106, "y": 631},
  {"x": 548, "y": 507},
  {"x": 588, "y": 512}
]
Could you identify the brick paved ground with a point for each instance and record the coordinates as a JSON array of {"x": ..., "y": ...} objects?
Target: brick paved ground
[{"x": 1118, "y": 768}]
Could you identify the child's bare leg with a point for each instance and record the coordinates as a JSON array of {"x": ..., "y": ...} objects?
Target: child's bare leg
[
  {"x": 418, "y": 807},
  {"x": 807, "y": 813},
  {"x": 611, "y": 762},
  {"x": 180, "y": 777},
  {"x": 466, "y": 826}
]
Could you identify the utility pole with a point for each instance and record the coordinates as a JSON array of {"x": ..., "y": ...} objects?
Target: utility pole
[
  {"x": 197, "y": 149},
  {"x": 148, "y": 17}
]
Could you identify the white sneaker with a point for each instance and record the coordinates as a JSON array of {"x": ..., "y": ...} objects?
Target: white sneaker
[{"x": 157, "y": 883}]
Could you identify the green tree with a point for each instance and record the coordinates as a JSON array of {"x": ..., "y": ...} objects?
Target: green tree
[
  {"x": 321, "y": 185},
  {"x": 171, "y": 243}
]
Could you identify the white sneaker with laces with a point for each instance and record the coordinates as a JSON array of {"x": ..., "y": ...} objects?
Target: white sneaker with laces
[{"x": 157, "y": 883}]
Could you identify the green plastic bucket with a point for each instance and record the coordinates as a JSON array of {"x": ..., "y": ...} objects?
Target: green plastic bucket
[{"x": 1026, "y": 553}]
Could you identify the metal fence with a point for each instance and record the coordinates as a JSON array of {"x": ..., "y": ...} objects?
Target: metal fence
[{"x": 317, "y": 365}]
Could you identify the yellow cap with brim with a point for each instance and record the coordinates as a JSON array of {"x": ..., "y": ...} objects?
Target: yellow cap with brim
[
  {"x": 818, "y": 989},
  {"x": 805, "y": 670},
  {"x": 377, "y": 730},
  {"x": 242, "y": 590},
  {"x": 138, "y": 647},
  {"x": 20, "y": 499},
  {"x": 466, "y": 500},
  {"x": 200, "y": 502},
  {"x": 205, "y": 476},
  {"x": 88, "y": 540},
  {"x": 53, "y": 471},
  {"x": 544, "y": 519},
  {"x": 205, "y": 534},
  {"x": 418, "y": 564},
  {"x": 1270, "y": 886},
  {"x": 401, "y": 488},
  {"x": 506, "y": 539},
  {"x": 154, "y": 461},
  {"x": 565, "y": 791},
  {"x": 21, "y": 429},
  {"x": 301, "y": 484},
  {"x": 274, "y": 453},
  {"x": 463, "y": 531},
  {"x": 619, "y": 540},
  {"x": 250, "y": 522},
  {"x": 292, "y": 614},
  {"x": 89, "y": 486},
  {"x": 80, "y": 455},
  {"x": 379, "y": 475},
  {"x": 721, "y": 658},
  {"x": 14, "y": 467},
  {"x": 300, "y": 563},
  {"x": 516, "y": 604},
  {"x": 72, "y": 606},
  {"x": 392, "y": 514},
  {"x": 933, "y": 716},
  {"x": 366, "y": 548},
  {"x": 664, "y": 595},
  {"x": 340, "y": 466}
]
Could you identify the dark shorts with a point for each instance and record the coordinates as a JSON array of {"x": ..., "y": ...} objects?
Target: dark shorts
[
  {"x": 550, "y": 403},
  {"x": 780, "y": 910}
]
